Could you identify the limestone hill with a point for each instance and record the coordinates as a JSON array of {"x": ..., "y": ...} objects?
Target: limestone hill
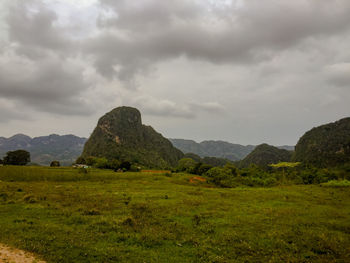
[
  {"x": 265, "y": 154},
  {"x": 121, "y": 135},
  {"x": 326, "y": 145}
]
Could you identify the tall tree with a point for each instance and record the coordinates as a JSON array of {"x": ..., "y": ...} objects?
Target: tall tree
[{"x": 19, "y": 157}]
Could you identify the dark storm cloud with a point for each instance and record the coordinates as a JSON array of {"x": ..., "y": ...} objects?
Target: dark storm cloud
[
  {"x": 48, "y": 86},
  {"x": 138, "y": 34},
  {"x": 31, "y": 25},
  {"x": 35, "y": 67}
]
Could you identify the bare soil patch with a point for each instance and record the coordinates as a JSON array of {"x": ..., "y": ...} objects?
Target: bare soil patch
[
  {"x": 197, "y": 179},
  {"x": 13, "y": 255}
]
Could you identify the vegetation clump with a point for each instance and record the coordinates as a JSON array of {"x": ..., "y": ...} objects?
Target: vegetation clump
[
  {"x": 55, "y": 164},
  {"x": 337, "y": 183}
]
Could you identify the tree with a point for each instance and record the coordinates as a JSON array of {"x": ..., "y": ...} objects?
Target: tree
[
  {"x": 80, "y": 160},
  {"x": 125, "y": 165},
  {"x": 284, "y": 166},
  {"x": 19, "y": 157},
  {"x": 114, "y": 164},
  {"x": 186, "y": 164},
  {"x": 55, "y": 164},
  {"x": 101, "y": 163}
]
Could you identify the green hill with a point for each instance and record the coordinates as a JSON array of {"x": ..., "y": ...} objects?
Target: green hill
[
  {"x": 121, "y": 135},
  {"x": 265, "y": 154},
  {"x": 326, "y": 145}
]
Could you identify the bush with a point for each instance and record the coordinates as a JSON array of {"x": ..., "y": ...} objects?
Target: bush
[
  {"x": 101, "y": 163},
  {"x": 186, "y": 165},
  {"x": 55, "y": 164},
  {"x": 222, "y": 177},
  {"x": 90, "y": 161},
  {"x": 203, "y": 168},
  {"x": 80, "y": 160},
  {"x": 337, "y": 183},
  {"x": 125, "y": 166},
  {"x": 114, "y": 164}
]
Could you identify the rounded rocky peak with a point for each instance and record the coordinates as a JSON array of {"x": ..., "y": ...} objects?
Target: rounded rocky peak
[{"x": 125, "y": 116}]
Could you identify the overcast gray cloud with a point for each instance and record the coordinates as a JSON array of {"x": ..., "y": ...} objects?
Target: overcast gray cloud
[
  {"x": 242, "y": 71},
  {"x": 144, "y": 32}
]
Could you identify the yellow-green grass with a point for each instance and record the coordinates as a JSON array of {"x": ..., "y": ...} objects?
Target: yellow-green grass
[{"x": 65, "y": 215}]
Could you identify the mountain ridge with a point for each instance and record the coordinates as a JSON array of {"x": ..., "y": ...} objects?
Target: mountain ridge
[
  {"x": 218, "y": 148},
  {"x": 44, "y": 149}
]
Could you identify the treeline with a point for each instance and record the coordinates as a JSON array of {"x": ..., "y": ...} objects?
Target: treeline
[
  {"x": 280, "y": 174},
  {"x": 104, "y": 163}
]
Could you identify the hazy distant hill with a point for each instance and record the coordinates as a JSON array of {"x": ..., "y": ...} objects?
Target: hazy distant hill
[
  {"x": 219, "y": 149},
  {"x": 120, "y": 135},
  {"x": 44, "y": 149},
  {"x": 326, "y": 145}
]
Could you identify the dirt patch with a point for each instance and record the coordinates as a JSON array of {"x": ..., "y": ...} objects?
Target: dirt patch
[
  {"x": 12, "y": 255},
  {"x": 197, "y": 179}
]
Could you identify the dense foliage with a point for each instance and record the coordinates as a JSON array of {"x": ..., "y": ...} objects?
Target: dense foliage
[
  {"x": 120, "y": 135},
  {"x": 282, "y": 173},
  {"x": 104, "y": 163},
  {"x": 18, "y": 157},
  {"x": 325, "y": 146}
]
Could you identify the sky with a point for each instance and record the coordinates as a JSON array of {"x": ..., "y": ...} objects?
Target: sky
[{"x": 246, "y": 72}]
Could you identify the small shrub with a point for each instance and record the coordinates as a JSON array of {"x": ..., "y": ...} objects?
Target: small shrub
[
  {"x": 337, "y": 183},
  {"x": 30, "y": 199},
  {"x": 128, "y": 222},
  {"x": 55, "y": 164},
  {"x": 92, "y": 212},
  {"x": 4, "y": 196}
]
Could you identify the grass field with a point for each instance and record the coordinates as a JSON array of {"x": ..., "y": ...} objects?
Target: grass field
[{"x": 65, "y": 215}]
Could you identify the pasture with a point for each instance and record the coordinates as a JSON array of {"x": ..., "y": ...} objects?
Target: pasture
[{"x": 68, "y": 215}]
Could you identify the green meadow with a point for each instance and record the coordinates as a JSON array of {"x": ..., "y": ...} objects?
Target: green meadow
[{"x": 70, "y": 215}]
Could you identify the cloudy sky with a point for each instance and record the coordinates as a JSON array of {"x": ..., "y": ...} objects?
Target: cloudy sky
[{"x": 242, "y": 71}]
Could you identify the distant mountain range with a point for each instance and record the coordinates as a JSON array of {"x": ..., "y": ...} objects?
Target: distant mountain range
[
  {"x": 45, "y": 149},
  {"x": 221, "y": 149},
  {"x": 67, "y": 148}
]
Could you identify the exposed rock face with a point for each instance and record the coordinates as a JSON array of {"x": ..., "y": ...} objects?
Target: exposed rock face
[
  {"x": 326, "y": 145},
  {"x": 120, "y": 135},
  {"x": 264, "y": 155}
]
